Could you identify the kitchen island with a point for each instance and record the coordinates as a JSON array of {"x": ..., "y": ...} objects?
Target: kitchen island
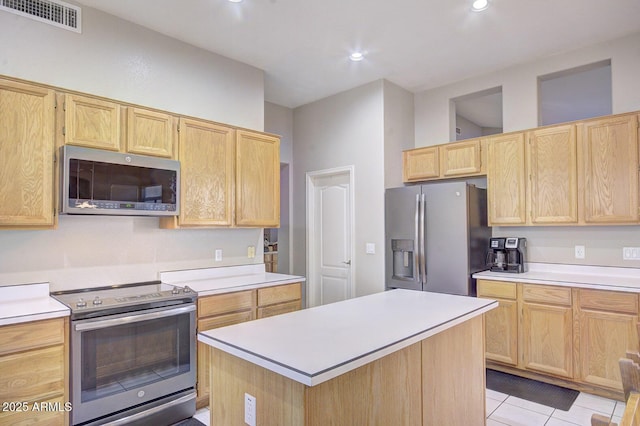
[{"x": 397, "y": 357}]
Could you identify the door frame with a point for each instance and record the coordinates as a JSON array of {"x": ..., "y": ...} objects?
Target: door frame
[{"x": 311, "y": 178}]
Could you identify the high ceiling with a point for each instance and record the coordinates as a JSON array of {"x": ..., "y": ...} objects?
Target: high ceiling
[{"x": 302, "y": 45}]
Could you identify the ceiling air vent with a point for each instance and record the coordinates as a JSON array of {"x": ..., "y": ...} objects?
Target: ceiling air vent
[{"x": 58, "y": 13}]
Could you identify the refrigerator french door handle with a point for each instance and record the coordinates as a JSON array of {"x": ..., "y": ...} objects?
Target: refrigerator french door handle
[
  {"x": 416, "y": 249},
  {"x": 423, "y": 237}
]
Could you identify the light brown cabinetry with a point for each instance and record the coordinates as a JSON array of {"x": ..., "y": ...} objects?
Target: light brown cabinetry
[
  {"x": 34, "y": 370},
  {"x": 206, "y": 153},
  {"x": 501, "y": 324},
  {"x": 607, "y": 322},
  {"x": 150, "y": 132},
  {"x": 547, "y": 329},
  {"x": 270, "y": 262},
  {"x": 506, "y": 183},
  {"x": 608, "y": 165},
  {"x": 225, "y": 309},
  {"x": 92, "y": 123},
  {"x": 26, "y": 156},
  {"x": 456, "y": 159},
  {"x": 553, "y": 182},
  {"x": 257, "y": 180}
]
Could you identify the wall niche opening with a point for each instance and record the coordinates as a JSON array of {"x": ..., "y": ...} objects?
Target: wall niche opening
[
  {"x": 477, "y": 114},
  {"x": 575, "y": 94}
]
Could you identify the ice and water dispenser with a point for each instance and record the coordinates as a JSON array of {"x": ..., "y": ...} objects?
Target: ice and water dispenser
[{"x": 402, "y": 259}]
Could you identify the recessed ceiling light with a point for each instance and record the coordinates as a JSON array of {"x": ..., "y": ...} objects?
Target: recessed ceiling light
[
  {"x": 356, "y": 56},
  {"x": 479, "y": 5},
  {"x": 235, "y": 1}
]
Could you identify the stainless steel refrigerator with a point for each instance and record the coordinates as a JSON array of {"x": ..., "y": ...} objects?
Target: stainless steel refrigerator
[{"x": 436, "y": 237}]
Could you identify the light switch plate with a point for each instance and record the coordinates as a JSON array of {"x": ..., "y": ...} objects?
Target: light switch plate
[
  {"x": 370, "y": 248},
  {"x": 251, "y": 252}
]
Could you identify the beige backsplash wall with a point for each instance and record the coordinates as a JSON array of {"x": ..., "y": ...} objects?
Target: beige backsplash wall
[
  {"x": 603, "y": 244},
  {"x": 91, "y": 251}
]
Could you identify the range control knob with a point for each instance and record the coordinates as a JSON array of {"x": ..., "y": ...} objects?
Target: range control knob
[
  {"x": 97, "y": 301},
  {"x": 175, "y": 290},
  {"x": 186, "y": 289},
  {"x": 81, "y": 303}
]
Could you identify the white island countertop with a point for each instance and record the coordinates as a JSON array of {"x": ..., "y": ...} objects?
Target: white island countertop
[
  {"x": 209, "y": 281},
  {"x": 583, "y": 276},
  {"x": 317, "y": 344},
  {"x": 28, "y": 302}
]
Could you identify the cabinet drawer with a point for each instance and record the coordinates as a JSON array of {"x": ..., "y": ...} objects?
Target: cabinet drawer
[
  {"x": 499, "y": 289},
  {"x": 613, "y": 301},
  {"x": 279, "y": 294},
  {"x": 30, "y": 335},
  {"x": 546, "y": 294},
  {"x": 32, "y": 375},
  {"x": 226, "y": 303},
  {"x": 224, "y": 320},
  {"x": 280, "y": 308}
]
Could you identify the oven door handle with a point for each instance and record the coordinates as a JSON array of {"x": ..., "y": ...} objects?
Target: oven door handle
[{"x": 97, "y": 324}]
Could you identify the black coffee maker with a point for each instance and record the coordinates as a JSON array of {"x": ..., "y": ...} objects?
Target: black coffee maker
[{"x": 507, "y": 254}]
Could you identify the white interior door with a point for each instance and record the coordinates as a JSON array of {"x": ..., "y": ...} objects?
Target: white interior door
[{"x": 330, "y": 208}]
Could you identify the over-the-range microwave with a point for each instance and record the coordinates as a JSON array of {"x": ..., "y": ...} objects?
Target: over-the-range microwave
[{"x": 95, "y": 181}]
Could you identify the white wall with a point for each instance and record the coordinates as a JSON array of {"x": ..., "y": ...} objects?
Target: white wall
[
  {"x": 342, "y": 130},
  {"x": 279, "y": 120},
  {"x": 520, "y": 89},
  {"x": 398, "y": 131},
  {"x": 122, "y": 61},
  {"x": 520, "y": 109},
  {"x": 468, "y": 129}
]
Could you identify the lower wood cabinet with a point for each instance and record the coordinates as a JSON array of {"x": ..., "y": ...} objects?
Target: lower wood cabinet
[
  {"x": 225, "y": 309},
  {"x": 562, "y": 335},
  {"x": 34, "y": 372}
]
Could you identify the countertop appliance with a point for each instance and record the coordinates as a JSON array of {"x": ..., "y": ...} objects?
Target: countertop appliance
[
  {"x": 436, "y": 237},
  {"x": 507, "y": 254},
  {"x": 95, "y": 181},
  {"x": 132, "y": 354}
]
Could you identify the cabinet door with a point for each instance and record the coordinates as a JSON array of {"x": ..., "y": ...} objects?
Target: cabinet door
[
  {"x": 257, "y": 180},
  {"x": 501, "y": 332},
  {"x": 420, "y": 164},
  {"x": 92, "y": 123},
  {"x": 608, "y": 153},
  {"x": 506, "y": 180},
  {"x": 460, "y": 159},
  {"x": 553, "y": 186},
  {"x": 206, "y": 153},
  {"x": 26, "y": 155},
  {"x": 149, "y": 133},
  {"x": 547, "y": 333},
  {"x": 604, "y": 339}
]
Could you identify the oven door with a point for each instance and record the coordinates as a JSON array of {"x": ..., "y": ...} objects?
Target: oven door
[{"x": 121, "y": 361}]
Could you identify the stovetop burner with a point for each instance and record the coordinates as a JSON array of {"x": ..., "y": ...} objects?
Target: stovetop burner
[{"x": 100, "y": 301}]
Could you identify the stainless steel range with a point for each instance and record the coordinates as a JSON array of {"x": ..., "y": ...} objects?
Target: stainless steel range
[{"x": 133, "y": 350}]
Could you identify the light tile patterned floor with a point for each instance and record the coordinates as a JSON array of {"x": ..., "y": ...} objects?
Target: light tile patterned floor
[{"x": 503, "y": 409}]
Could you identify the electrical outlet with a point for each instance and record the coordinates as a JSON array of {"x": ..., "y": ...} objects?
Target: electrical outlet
[
  {"x": 580, "y": 252},
  {"x": 218, "y": 255},
  {"x": 251, "y": 252},
  {"x": 249, "y": 409},
  {"x": 631, "y": 253}
]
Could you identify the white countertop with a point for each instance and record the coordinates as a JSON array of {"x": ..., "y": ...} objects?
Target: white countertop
[
  {"x": 28, "y": 302},
  {"x": 320, "y": 343},
  {"x": 210, "y": 281},
  {"x": 595, "y": 277}
]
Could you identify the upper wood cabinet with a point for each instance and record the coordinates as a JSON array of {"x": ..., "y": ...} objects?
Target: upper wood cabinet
[
  {"x": 206, "y": 153},
  {"x": 420, "y": 164},
  {"x": 608, "y": 165},
  {"x": 26, "y": 156},
  {"x": 257, "y": 180},
  {"x": 150, "y": 132},
  {"x": 506, "y": 181},
  {"x": 553, "y": 183},
  {"x": 461, "y": 159},
  {"x": 456, "y": 159},
  {"x": 92, "y": 123}
]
